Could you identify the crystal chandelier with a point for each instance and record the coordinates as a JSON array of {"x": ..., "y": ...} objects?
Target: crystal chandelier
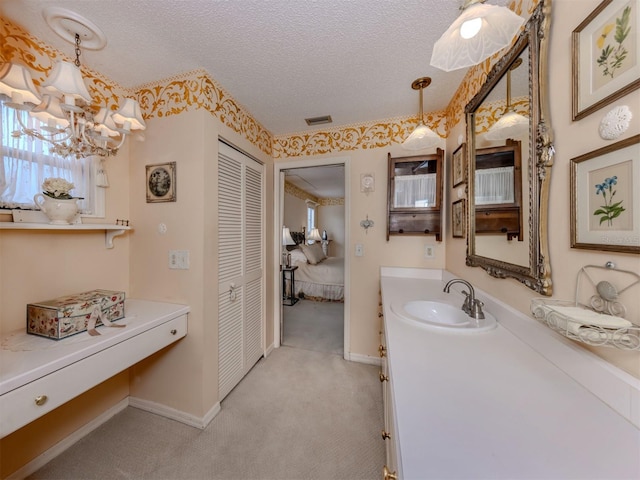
[{"x": 71, "y": 126}]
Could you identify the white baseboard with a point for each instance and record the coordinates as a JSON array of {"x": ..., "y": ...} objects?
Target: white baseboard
[
  {"x": 269, "y": 350},
  {"x": 44, "y": 458},
  {"x": 156, "y": 408},
  {"x": 173, "y": 414},
  {"x": 356, "y": 357}
]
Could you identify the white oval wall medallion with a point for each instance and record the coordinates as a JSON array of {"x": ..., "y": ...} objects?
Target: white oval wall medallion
[{"x": 615, "y": 123}]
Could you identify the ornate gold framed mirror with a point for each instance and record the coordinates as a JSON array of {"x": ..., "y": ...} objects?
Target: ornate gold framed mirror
[{"x": 516, "y": 87}]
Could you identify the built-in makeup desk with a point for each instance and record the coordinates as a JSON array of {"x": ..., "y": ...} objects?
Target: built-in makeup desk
[{"x": 39, "y": 374}]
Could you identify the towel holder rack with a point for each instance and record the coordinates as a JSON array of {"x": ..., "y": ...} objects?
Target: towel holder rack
[{"x": 599, "y": 291}]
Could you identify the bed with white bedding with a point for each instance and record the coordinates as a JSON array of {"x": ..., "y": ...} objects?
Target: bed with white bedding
[{"x": 318, "y": 277}]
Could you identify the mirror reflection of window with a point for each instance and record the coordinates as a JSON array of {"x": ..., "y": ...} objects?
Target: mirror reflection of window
[{"x": 494, "y": 185}]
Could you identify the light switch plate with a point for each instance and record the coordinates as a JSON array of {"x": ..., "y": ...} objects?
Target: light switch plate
[{"x": 179, "y": 259}]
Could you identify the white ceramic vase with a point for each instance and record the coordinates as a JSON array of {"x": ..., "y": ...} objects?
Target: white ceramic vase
[{"x": 59, "y": 211}]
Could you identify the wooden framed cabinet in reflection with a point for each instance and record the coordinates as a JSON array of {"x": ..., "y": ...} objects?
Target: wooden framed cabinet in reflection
[
  {"x": 415, "y": 195},
  {"x": 498, "y": 190}
]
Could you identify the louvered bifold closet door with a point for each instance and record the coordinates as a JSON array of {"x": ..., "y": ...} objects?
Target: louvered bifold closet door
[
  {"x": 240, "y": 266},
  {"x": 254, "y": 242}
]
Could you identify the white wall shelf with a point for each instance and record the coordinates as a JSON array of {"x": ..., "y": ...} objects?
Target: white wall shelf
[{"x": 110, "y": 231}]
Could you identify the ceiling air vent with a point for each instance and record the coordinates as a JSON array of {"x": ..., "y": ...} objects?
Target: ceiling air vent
[{"x": 318, "y": 120}]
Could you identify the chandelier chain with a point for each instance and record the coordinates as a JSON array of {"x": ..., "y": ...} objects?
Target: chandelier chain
[{"x": 78, "y": 51}]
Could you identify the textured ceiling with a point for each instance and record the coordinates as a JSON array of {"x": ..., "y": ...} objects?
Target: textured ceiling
[
  {"x": 323, "y": 182},
  {"x": 284, "y": 60}
]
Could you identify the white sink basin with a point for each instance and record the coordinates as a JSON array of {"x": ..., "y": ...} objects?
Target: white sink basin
[{"x": 442, "y": 316}]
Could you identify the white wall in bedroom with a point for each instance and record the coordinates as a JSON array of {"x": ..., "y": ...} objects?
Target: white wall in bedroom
[
  {"x": 331, "y": 219},
  {"x": 295, "y": 212}
]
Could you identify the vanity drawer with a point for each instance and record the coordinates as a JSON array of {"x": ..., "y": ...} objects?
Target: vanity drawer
[{"x": 24, "y": 404}]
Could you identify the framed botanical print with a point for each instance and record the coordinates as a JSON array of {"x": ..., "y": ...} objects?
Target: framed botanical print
[
  {"x": 606, "y": 57},
  {"x": 458, "y": 165},
  {"x": 161, "y": 182},
  {"x": 458, "y": 218},
  {"x": 605, "y": 206}
]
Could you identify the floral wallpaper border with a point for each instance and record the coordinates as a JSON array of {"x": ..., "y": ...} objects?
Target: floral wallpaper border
[
  {"x": 17, "y": 45},
  {"x": 297, "y": 192},
  {"x": 197, "y": 89},
  {"x": 365, "y": 136},
  {"x": 160, "y": 99}
]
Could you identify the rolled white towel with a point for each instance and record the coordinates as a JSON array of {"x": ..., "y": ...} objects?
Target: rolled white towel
[{"x": 579, "y": 317}]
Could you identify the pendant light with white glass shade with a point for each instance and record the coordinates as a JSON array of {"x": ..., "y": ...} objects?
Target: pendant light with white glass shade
[
  {"x": 480, "y": 31},
  {"x": 422, "y": 137},
  {"x": 510, "y": 124},
  {"x": 71, "y": 126}
]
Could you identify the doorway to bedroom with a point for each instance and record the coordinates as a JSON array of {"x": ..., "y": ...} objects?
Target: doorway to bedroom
[{"x": 312, "y": 198}]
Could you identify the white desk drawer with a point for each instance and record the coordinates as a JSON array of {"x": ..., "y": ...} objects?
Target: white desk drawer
[{"x": 20, "y": 406}]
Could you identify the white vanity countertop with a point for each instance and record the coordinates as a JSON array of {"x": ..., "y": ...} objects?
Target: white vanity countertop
[
  {"x": 25, "y": 358},
  {"x": 487, "y": 405}
]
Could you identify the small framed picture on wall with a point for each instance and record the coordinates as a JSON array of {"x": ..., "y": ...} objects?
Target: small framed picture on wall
[
  {"x": 161, "y": 182},
  {"x": 606, "y": 57},
  {"x": 458, "y": 165},
  {"x": 458, "y": 218},
  {"x": 605, "y": 212}
]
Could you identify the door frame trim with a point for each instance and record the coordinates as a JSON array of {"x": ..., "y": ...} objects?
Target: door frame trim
[{"x": 277, "y": 243}]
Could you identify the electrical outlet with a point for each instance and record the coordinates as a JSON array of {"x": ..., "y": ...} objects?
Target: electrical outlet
[
  {"x": 359, "y": 250},
  {"x": 429, "y": 251},
  {"x": 179, "y": 259}
]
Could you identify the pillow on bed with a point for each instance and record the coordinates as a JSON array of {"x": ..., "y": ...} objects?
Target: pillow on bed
[
  {"x": 297, "y": 256},
  {"x": 313, "y": 253}
]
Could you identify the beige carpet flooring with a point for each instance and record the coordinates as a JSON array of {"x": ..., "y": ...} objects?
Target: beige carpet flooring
[
  {"x": 299, "y": 414},
  {"x": 315, "y": 326}
]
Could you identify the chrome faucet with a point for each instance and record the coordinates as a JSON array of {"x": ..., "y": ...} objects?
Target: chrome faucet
[{"x": 471, "y": 306}]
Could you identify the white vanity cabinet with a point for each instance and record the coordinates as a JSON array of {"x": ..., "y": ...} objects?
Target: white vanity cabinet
[
  {"x": 518, "y": 401},
  {"x": 389, "y": 434},
  {"x": 38, "y": 374}
]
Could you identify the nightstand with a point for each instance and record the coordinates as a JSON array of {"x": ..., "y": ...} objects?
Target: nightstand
[{"x": 289, "y": 280}]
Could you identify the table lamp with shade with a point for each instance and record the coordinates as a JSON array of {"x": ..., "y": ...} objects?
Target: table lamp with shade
[
  {"x": 314, "y": 235},
  {"x": 287, "y": 240}
]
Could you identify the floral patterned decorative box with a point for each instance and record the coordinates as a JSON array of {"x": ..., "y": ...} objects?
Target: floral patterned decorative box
[{"x": 65, "y": 316}]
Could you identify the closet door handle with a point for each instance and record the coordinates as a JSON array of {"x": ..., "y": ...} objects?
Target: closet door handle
[
  {"x": 232, "y": 292},
  {"x": 383, "y": 378},
  {"x": 385, "y": 435}
]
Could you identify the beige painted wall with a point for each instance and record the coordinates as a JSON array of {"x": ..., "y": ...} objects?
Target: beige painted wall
[
  {"x": 295, "y": 213},
  {"x": 184, "y": 377},
  {"x": 35, "y": 266},
  {"x": 39, "y": 265},
  {"x": 398, "y": 251},
  {"x": 571, "y": 139},
  {"x": 331, "y": 219}
]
